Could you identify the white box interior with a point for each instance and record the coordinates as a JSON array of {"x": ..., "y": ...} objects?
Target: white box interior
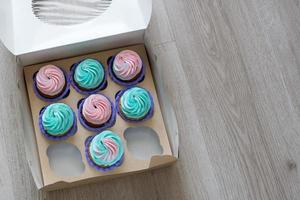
[{"x": 34, "y": 40}]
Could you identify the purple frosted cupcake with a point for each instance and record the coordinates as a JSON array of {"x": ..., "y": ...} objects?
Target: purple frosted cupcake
[
  {"x": 57, "y": 121},
  {"x": 126, "y": 68},
  {"x": 135, "y": 104},
  {"x": 88, "y": 76},
  {"x": 104, "y": 151},
  {"x": 96, "y": 113},
  {"x": 50, "y": 83}
]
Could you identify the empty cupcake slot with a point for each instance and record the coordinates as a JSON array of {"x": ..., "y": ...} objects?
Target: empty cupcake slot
[
  {"x": 65, "y": 159},
  {"x": 142, "y": 142}
]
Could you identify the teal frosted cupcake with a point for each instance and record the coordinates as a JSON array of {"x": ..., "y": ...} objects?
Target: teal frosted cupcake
[
  {"x": 57, "y": 121},
  {"x": 88, "y": 76},
  {"x": 135, "y": 104},
  {"x": 104, "y": 151}
]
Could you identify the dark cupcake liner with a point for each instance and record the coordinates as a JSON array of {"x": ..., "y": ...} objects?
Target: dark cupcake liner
[
  {"x": 146, "y": 117},
  {"x": 95, "y": 166},
  {"x": 104, "y": 126},
  {"x": 87, "y": 91},
  {"x": 62, "y": 95},
  {"x": 139, "y": 78},
  {"x": 69, "y": 133}
]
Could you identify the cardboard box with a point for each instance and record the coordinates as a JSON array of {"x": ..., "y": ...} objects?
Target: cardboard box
[{"x": 33, "y": 41}]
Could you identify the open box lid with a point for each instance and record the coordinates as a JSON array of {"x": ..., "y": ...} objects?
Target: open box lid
[
  {"x": 30, "y": 38},
  {"x": 34, "y": 41}
]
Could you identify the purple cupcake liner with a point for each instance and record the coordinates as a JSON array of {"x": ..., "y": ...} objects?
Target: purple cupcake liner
[
  {"x": 90, "y": 91},
  {"x": 95, "y": 166},
  {"x": 146, "y": 117},
  {"x": 62, "y": 95},
  {"x": 70, "y": 132},
  {"x": 104, "y": 126},
  {"x": 138, "y": 79}
]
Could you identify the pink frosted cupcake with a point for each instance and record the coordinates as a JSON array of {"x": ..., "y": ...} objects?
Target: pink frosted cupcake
[
  {"x": 126, "y": 68},
  {"x": 97, "y": 112},
  {"x": 50, "y": 83}
]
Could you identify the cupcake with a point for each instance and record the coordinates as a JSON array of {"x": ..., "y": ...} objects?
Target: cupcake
[
  {"x": 135, "y": 104},
  {"x": 50, "y": 83},
  {"x": 126, "y": 68},
  {"x": 105, "y": 151},
  {"x": 96, "y": 113},
  {"x": 57, "y": 121},
  {"x": 88, "y": 76}
]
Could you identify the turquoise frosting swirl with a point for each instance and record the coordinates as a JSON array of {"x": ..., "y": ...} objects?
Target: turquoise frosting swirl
[
  {"x": 89, "y": 74},
  {"x": 135, "y": 103},
  {"x": 106, "y": 148},
  {"x": 57, "y": 119}
]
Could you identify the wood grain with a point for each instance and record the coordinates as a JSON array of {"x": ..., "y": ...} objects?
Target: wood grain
[{"x": 232, "y": 70}]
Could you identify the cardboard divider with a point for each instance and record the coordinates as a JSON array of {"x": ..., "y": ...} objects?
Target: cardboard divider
[{"x": 130, "y": 164}]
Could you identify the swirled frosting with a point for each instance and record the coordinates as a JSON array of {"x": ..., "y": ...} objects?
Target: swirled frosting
[
  {"x": 89, "y": 74},
  {"x": 106, "y": 148},
  {"x": 135, "y": 103},
  {"x": 57, "y": 119},
  {"x": 96, "y": 109},
  {"x": 127, "y": 65},
  {"x": 50, "y": 80}
]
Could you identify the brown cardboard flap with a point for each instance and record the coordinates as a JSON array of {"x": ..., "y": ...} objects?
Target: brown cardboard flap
[{"x": 158, "y": 161}]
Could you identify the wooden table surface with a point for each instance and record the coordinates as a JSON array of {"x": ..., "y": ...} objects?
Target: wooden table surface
[{"x": 232, "y": 69}]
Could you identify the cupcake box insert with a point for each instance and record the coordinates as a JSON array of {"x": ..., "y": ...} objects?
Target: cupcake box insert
[
  {"x": 131, "y": 163},
  {"x": 34, "y": 41}
]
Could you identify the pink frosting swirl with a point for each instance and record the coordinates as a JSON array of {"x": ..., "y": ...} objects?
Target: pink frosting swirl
[
  {"x": 127, "y": 65},
  {"x": 50, "y": 80},
  {"x": 112, "y": 148},
  {"x": 96, "y": 109}
]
